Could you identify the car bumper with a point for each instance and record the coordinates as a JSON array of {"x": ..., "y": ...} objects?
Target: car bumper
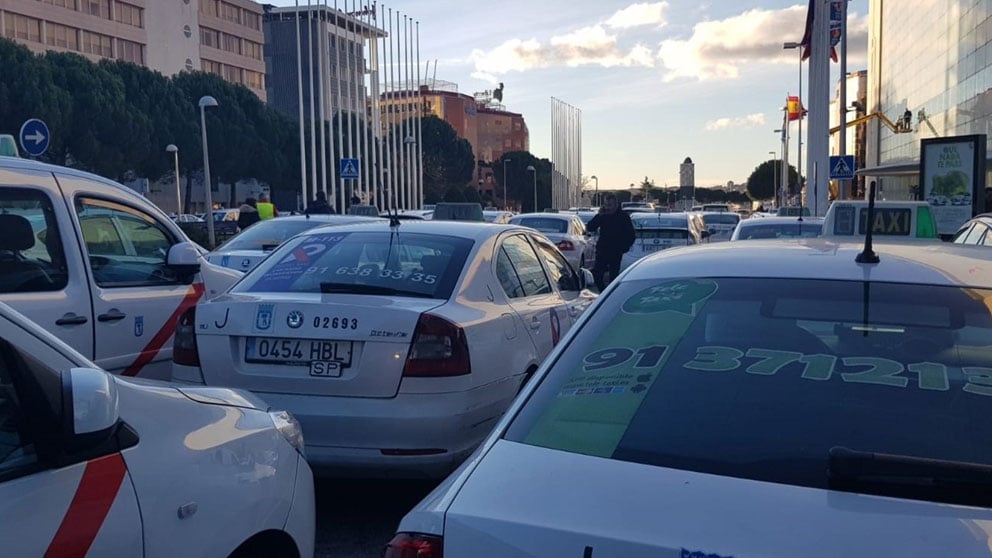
[
  {"x": 301, "y": 522},
  {"x": 407, "y": 436}
]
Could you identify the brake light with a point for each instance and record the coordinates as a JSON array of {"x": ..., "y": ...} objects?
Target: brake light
[
  {"x": 566, "y": 246},
  {"x": 439, "y": 348},
  {"x": 184, "y": 350},
  {"x": 414, "y": 545}
]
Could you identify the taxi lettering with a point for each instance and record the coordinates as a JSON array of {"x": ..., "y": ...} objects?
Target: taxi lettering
[{"x": 888, "y": 221}]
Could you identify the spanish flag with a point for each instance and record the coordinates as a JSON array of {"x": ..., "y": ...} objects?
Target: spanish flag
[{"x": 794, "y": 107}]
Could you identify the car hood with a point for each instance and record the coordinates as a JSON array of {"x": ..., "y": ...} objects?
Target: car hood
[{"x": 524, "y": 500}]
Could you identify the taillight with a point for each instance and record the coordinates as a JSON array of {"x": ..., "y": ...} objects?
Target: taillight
[
  {"x": 414, "y": 545},
  {"x": 566, "y": 246},
  {"x": 439, "y": 348},
  {"x": 184, "y": 349}
]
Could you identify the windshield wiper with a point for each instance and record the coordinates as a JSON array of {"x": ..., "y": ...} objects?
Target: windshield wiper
[
  {"x": 352, "y": 288},
  {"x": 911, "y": 477}
]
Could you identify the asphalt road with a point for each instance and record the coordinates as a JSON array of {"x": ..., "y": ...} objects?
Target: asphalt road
[{"x": 356, "y": 518}]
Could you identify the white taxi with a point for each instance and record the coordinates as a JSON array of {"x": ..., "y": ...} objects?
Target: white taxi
[
  {"x": 97, "y": 465},
  {"x": 398, "y": 345},
  {"x": 98, "y": 265},
  {"x": 763, "y": 398},
  {"x": 252, "y": 245},
  {"x": 654, "y": 232},
  {"x": 567, "y": 231}
]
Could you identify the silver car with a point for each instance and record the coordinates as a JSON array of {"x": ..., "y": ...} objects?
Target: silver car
[{"x": 567, "y": 231}]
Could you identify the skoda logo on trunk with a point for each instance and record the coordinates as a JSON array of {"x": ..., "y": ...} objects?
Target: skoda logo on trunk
[{"x": 294, "y": 319}]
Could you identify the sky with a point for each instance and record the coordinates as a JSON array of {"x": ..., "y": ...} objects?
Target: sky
[{"x": 656, "y": 81}]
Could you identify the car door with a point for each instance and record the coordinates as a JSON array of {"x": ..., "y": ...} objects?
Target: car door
[
  {"x": 530, "y": 293},
  {"x": 565, "y": 280},
  {"x": 42, "y": 274},
  {"x": 136, "y": 297},
  {"x": 47, "y": 509}
]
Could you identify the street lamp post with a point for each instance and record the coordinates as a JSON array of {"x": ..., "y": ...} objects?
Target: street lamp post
[
  {"x": 531, "y": 169},
  {"x": 774, "y": 174},
  {"x": 505, "y": 205},
  {"x": 207, "y": 101},
  {"x": 411, "y": 181},
  {"x": 171, "y": 148},
  {"x": 799, "y": 134},
  {"x": 596, "y": 195}
]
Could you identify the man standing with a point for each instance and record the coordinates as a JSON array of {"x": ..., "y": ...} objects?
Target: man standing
[
  {"x": 247, "y": 214},
  {"x": 266, "y": 209},
  {"x": 616, "y": 236},
  {"x": 319, "y": 205}
]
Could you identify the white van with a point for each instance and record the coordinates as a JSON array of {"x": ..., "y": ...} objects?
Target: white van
[
  {"x": 98, "y": 265},
  {"x": 895, "y": 220}
]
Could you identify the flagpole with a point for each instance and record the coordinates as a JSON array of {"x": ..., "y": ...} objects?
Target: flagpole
[
  {"x": 313, "y": 126},
  {"x": 339, "y": 188},
  {"x": 299, "y": 84},
  {"x": 320, "y": 77},
  {"x": 369, "y": 157},
  {"x": 420, "y": 136},
  {"x": 329, "y": 124}
]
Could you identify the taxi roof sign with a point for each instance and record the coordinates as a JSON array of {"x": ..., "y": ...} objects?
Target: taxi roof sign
[
  {"x": 894, "y": 219},
  {"x": 8, "y": 146}
]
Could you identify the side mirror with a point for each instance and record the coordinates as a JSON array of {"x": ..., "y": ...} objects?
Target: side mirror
[
  {"x": 184, "y": 258},
  {"x": 91, "y": 411}
]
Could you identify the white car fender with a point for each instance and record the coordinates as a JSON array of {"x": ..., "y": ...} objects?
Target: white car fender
[
  {"x": 242, "y": 485},
  {"x": 217, "y": 279}
]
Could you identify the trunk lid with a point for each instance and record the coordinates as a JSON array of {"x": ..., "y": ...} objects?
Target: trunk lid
[{"x": 311, "y": 344}]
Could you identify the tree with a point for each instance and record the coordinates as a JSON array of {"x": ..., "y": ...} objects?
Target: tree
[
  {"x": 454, "y": 194},
  {"x": 471, "y": 194},
  {"x": 448, "y": 159},
  {"x": 761, "y": 183}
]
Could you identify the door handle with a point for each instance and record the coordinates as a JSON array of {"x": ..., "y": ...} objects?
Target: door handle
[
  {"x": 535, "y": 323},
  {"x": 71, "y": 319},
  {"x": 111, "y": 316}
]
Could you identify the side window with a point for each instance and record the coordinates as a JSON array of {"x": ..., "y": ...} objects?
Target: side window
[
  {"x": 527, "y": 266},
  {"x": 126, "y": 247},
  {"x": 16, "y": 450},
  {"x": 987, "y": 239},
  {"x": 508, "y": 276},
  {"x": 32, "y": 258},
  {"x": 973, "y": 235},
  {"x": 561, "y": 273}
]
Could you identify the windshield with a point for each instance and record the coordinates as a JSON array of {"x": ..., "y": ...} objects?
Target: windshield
[
  {"x": 543, "y": 224},
  {"x": 266, "y": 235},
  {"x": 761, "y": 378},
  {"x": 414, "y": 264},
  {"x": 679, "y": 234},
  {"x": 780, "y": 230},
  {"x": 721, "y": 219}
]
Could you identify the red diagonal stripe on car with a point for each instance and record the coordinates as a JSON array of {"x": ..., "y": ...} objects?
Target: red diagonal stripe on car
[
  {"x": 168, "y": 328},
  {"x": 94, "y": 497}
]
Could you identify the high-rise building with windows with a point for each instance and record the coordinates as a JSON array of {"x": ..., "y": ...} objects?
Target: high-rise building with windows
[{"x": 219, "y": 36}]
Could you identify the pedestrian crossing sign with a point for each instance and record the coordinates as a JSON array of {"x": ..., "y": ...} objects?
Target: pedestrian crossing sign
[
  {"x": 349, "y": 169},
  {"x": 842, "y": 167}
]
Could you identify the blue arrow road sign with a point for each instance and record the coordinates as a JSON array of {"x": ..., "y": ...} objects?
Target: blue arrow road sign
[
  {"x": 842, "y": 167},
  {"x": 34, "y": 137},
  {"x": 349, "y": 169}
]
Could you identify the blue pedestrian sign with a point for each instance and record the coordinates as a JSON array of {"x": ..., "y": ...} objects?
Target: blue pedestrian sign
[
  {"x": 34, "y": 137},
  {"x": 349, "y": 169},
  {"x": 842, "y": 167}
]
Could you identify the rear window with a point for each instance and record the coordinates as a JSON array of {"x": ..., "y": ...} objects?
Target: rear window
[
  {"x": 678, "y": 234},
  {"x": 543, "y": 224},
  {"x": 657, "y": 221},
  {"x": 404, "y": 264},
  {"x": 721, "y": 219},
  {"x": 781, "y": 230},
  {"x": 763, "y": 378},
  {"x": 268, "y": 234}
]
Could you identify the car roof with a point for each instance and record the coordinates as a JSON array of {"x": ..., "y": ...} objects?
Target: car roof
[
  {"x": 18, "y": 164},
  {"x": 823, "y": 258},
  {"x": 476, "y": 230},
  {"x": 646, "y": 215},
  {"x": 566, "y": 216},
  {"x": 329, "y": 217}
]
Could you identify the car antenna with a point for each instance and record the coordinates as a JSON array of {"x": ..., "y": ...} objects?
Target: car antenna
[
  {"x": 868, "y": 256},
  {"x": 394, "y": 218}
]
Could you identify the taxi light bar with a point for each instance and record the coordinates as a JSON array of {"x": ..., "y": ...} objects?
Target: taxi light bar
[
  {"x": 438, "y": 349},
  {"x": 414, "y": 545},
  {"x": 184, "y": 349}
]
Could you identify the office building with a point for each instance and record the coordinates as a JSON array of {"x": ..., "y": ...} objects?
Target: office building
[{"x": 219, "y": 36}]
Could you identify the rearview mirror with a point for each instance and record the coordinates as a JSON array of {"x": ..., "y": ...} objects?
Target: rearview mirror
[
  {"x": 184, "y": 258},
  {"x": 91, "y": 415}
]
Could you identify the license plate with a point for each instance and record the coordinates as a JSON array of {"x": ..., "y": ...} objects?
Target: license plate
[
  {"x": 653, "y": 247},
  {"x": 323, "y": 358}
]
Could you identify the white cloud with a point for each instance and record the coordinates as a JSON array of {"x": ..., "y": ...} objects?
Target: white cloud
[
  {"x": 717, "y": 49},
  {"x": 749, "y": 121},
  {"x": 637, "y": 15},
  {"x": 586, "y": 46}
]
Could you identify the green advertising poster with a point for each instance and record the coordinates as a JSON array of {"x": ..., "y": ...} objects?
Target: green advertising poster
[
  {"x": 594, "y": 406},
  {"x": 953, "y": 173}
]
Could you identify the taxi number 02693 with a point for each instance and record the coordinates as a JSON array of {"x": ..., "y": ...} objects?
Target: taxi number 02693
[{"x": 324, "y": 358}]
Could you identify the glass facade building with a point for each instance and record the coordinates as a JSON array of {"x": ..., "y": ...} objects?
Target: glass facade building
[{"x": 932, "y": 58}]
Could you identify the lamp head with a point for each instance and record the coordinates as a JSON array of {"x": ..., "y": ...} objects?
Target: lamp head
[
  {"x": 409, "y": 140},
  {"x": 171, "y": 148},
  {"x": 207, "y": 101},
  {"x": 530, "y": 168}
]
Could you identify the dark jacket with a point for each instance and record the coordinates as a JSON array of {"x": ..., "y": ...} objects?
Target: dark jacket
[
  {"x": 319, "y": 207},
  {"x": 616, "y": 232},
  {"x": 247, "y": 216}
]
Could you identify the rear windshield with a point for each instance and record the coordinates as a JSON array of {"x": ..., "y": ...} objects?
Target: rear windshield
[
  {"x": 544, "y": 224},
  {"x": 721, "y": 219},
  {"x": 268, "y": 234},
  {"x": 680, "y": 234},
  {"x": 410, "y": 264},
  {"x": 658, "y": 221},
  {"x": 781, "y": 230},
  {"x": 762, "y": 378}
]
